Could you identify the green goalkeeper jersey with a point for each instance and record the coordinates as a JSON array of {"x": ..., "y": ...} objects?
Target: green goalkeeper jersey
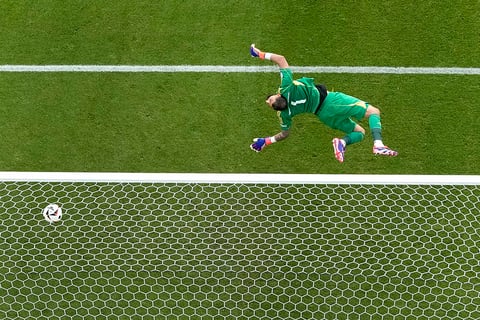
[{"x": 302, "y": 97}]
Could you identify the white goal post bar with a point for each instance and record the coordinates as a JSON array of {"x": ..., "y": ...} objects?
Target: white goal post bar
[{"x": 246, "y": 178}]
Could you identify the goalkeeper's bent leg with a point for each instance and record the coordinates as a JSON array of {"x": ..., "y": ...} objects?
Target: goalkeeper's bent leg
[
  {"x": 353, "y": 137},
  {"x": 375, "y": 126}
]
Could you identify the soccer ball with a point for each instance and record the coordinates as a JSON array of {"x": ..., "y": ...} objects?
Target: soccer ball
[{"x": 52, "y": 213}]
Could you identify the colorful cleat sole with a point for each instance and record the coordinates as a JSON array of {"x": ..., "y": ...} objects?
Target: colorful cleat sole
[
  {"x": 339, "y": 149},
  {"x": 384, "y": 151}
]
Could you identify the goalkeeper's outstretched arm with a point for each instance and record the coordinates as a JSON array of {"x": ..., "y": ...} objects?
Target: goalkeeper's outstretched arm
[
  {"x": 282, "y": 135},
  {"x": 260, "y": 143},
  {"x": 276, "y": 58}
]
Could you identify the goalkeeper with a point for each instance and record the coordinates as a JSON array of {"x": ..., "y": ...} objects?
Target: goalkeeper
[{"x": 335, "y": 109}]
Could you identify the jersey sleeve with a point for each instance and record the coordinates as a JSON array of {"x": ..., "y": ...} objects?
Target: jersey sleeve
[
  {"x": 285, "y": 120},
  {"x": 286, "y": 77}
]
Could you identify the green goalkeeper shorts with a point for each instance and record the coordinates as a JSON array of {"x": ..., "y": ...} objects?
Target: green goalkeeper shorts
[{"x": 338, "y": 109}]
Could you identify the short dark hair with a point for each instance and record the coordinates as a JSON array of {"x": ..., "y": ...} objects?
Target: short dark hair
[{"x": 279, "y": 104}]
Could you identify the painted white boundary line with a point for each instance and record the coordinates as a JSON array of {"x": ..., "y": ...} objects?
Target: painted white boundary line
[
  {"x": 233, "y": 69},
  {"x": 246, "y": 178}
]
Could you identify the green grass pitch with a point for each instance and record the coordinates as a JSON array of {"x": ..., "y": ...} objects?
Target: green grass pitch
[{"x": 204, "y": 122}]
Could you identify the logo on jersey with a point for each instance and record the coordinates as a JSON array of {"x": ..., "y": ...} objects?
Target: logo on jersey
[{"x": 298, "y": 83}]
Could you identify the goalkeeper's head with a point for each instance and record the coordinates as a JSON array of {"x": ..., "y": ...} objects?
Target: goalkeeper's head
[{"x": 277, "y": 102}]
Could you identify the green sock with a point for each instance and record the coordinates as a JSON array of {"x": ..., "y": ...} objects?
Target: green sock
[
  {"x": 375, "y": 126},
  {"x": 353, "y": 137}
]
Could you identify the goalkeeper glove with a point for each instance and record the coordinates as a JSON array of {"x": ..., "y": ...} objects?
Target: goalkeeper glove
[
  {"x": 260, "y": 143},
  {"x": 256, "y": 53}
]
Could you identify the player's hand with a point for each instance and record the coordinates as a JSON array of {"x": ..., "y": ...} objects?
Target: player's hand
[
  {"x": 258, "y": 144},
  {"x": 254, "y": 52}
]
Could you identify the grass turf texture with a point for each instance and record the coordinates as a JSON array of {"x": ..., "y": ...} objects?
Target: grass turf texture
[
  {"x": 204, "y": 123},
  {"x": 393, "y": 33}
]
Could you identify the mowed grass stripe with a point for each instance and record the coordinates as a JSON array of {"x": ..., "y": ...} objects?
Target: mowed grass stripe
[{"x": 238, "y": 69}]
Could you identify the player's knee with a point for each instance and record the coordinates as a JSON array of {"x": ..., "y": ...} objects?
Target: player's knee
[
  {"x": 359, "y": 129},
  {"x": 372, "y": 110}
]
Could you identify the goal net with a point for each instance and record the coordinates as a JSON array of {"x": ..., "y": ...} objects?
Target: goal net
[{"x": 239, "y": 246}]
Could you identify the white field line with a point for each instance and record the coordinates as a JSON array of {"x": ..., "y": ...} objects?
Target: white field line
[{"x": 233, "y": 69}]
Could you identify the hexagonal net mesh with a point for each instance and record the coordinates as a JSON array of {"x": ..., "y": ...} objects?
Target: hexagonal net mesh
[{"x": 240, "y": 251}]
